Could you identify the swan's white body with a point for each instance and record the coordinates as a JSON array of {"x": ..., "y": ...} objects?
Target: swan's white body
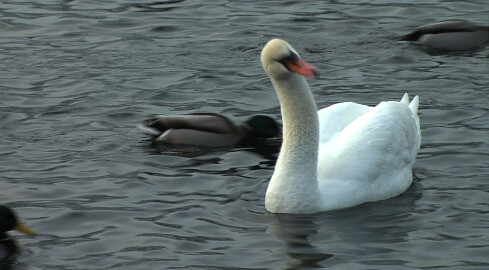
[{"x": 342, "y": 155}]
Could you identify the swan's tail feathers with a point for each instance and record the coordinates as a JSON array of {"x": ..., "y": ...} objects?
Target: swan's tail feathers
[
  {"x": 405, "y": 99},
  {"x": 414, "y": 105}
]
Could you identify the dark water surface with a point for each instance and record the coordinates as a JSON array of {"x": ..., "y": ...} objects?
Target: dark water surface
[{"x": 78, "y": 76}]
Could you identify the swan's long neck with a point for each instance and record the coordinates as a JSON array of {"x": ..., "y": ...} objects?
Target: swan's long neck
[{"x": 294, "y": 182}]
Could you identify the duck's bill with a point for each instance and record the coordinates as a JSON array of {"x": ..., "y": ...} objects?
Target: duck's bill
[
  {"x": 23, "y": 228},
  {"x": 304, "y": 68}
]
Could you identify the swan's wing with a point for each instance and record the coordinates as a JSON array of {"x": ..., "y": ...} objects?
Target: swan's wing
[
  {"x": 372, "y": 157},
  {"x": 333, "y": 119}
]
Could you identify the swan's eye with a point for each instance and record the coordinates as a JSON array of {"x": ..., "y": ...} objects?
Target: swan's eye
[
  {"x": 291, "y": 60},
  {"x": 295, "y": 64}
]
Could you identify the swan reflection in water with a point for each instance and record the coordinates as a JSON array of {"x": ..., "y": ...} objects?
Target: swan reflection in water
[
  {"x": 295, "y": 231},
  {"x": 374, "y": 231}
]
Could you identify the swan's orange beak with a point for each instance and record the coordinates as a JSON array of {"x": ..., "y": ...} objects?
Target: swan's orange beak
[{"x": 302, "y": 67}]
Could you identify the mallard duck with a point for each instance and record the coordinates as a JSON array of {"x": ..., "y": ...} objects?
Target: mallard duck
[
  {"x": 340, "y": 156},
  {"x": 8, "y": 222},
  {"x": 450, "y": 35},
  {"x": 209, "y": 129}
]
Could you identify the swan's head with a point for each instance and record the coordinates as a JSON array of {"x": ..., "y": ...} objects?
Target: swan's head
[{"x": 280, "y": 60}]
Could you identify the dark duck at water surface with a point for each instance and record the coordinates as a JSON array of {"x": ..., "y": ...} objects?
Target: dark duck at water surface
[
  {"x": 450, "y": 35},
  {"x": 8, "y": 222},
  {"x": 209, "y": 129}
]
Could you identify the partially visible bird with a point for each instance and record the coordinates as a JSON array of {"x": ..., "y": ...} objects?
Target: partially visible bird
[
  {"x": 8, "y": 222},
  {"x": 342, "y": 155},
  {"x": 209, "y": 129},
  {"x": 450, "y": 35}
]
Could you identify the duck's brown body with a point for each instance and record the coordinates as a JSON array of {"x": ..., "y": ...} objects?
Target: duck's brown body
[
  {"x": 208, "y": 129},
  {"x": 450, "y": 35}
]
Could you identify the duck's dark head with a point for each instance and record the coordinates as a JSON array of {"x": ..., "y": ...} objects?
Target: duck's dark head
[
  {"x": 9, "y": 221},
  {"x": 263, "y": 126}
]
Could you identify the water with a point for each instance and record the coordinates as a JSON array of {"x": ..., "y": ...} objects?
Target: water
[{"x": 78, "y": 76}]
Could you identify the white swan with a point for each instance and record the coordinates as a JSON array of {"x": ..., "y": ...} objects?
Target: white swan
[{"x": 342, "y": 155}]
